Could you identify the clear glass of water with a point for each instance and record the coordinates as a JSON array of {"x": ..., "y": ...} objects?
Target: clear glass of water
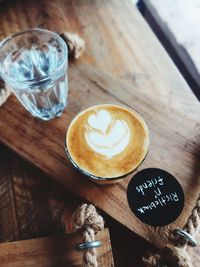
[{"x": 33, "y": 65}]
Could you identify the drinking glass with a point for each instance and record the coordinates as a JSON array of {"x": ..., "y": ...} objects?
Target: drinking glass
[{"x": 33, "y": 64}]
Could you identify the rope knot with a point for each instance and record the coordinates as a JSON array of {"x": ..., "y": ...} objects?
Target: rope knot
[
  {"x": 171, "y": 256},
  {"x": 4, "y": 92},
  {"x": 177, "y": 257},
  {"x": 76, "y": 45},
  {"x": 86, "y": 217}
]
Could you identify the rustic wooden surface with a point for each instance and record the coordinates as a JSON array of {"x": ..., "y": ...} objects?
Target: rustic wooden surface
[
  {"x": 116, "y": 38},
  {"x": 169, "y": 134},
  {"x": 40, "y": 203},
  {"x": 32, "y": 205},
  {"x": 176, "y": 18},
  {"x": 54, "y": 251}
]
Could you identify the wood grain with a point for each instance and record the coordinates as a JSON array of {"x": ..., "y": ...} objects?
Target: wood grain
[
  {"x": 118, "y": 41},
  {"x": 176, "y": 19},
  {"x": 53, "y": 251},
  {"x": 31, "y": 204},
  {"x": 54, "y": 200},
  {"x": 174, "y": 145}
]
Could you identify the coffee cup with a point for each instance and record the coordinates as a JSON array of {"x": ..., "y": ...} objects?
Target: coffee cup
[{"x": 106, "y": 142}]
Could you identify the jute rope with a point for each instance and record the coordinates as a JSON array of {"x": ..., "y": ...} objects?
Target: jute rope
[
  {"x": 87, "y": 219},
  {"x": 4, "y": 93},
  {"x": 175, "y": 254},
  {"x": 76, "y": 46},
  {"x": 193, "y": 224}
]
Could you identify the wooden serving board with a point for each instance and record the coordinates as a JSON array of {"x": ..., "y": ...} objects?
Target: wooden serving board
[
  {"x": 54, "y": 251},
  {"x": 174, "y": 145}
]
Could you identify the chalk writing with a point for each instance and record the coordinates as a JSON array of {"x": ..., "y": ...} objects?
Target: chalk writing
[
  {"x": 159, "y": 202},
  {"x": 148, "y": 184},
  {"x": 155, "y": 197},
  {"x": 157, "y": 192}
]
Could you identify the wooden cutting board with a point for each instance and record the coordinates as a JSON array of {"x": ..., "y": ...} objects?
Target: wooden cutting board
[
  {"x": 54, "y": 251},
  {"x": 174, "y": 138}
]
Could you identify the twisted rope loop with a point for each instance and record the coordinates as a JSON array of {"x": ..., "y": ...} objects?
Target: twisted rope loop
[
  {"x": 87, "y": 219},
  {"x": 76, "y": 45},
  {"x": 176, "y": 255},
  {"x": 4, "y": 92},
  {"x": 193, "y": 224}
]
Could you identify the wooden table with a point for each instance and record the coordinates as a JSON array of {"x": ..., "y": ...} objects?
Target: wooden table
[{"x": 114, "y": 32}]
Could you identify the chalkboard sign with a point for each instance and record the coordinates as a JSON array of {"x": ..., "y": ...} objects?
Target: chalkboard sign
[{"x": 155, "y": 197}]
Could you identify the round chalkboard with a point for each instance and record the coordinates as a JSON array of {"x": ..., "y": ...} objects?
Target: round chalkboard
[{"x": 155, "y": 197}]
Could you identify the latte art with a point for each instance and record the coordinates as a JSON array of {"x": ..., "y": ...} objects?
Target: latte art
[
  {"x": 107, "y": 135},
  {"x": 107, "y": 141}
]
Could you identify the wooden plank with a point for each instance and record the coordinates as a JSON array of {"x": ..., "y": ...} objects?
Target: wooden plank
[
  {"x": 116, "y": 38},
  {"x": 9, "y": 227},
  {"x": 31, "y": 204},
  {"x": 119, "y": 49},
  {"x": 174, "y": 145},
  {"x": 55, "y": 199},
  {"x": 49, "y": 203},
  {"x": 54, "y": 251},
  {"x": 175, "y": 20}
]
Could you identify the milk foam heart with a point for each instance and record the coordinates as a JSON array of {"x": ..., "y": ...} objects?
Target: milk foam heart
[
  {"x": 107, "y": 141},
  {"x": 106, "y": 135},
  {"x": 100, "y": 121}
]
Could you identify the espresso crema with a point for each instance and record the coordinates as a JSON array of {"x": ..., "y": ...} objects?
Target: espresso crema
[{"x": 107, "y": 140}]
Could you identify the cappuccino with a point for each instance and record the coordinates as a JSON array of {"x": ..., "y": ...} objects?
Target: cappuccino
[{"x": 107, "y": 141}]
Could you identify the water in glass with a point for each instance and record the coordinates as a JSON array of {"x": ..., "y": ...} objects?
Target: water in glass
[{"x": 37, "y": 75}]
